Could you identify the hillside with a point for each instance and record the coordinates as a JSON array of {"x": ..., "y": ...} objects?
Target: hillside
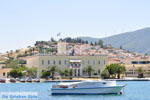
[{"x": 137, "y": 41}]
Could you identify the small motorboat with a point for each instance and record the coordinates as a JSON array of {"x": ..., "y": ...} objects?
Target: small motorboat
[
  {"x": 12, "y": 80},
  {"x": 2, "y": 80},
  {"x": 22, "y": 80},
  {"x": 29, "y": 79},
  {"x": 87, "y": 87},
  {"x": 36, "y": 80}
]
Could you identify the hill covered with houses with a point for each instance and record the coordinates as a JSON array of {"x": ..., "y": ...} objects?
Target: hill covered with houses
[{"x": 76, "y": 47}]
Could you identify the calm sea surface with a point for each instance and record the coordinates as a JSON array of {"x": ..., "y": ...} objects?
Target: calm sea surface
[{"x": 135, "y": 90}]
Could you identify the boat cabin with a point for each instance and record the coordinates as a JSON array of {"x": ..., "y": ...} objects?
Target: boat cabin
[{"x": 86, "y": 84}]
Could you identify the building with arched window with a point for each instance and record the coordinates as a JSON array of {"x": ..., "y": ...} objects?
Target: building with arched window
[{"x": 77, "y": 63}]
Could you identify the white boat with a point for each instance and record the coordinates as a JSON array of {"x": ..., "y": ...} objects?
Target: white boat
[
  {"x": 28, "y": 79},
  {"x": 36, "y": 80},
  {"x": 22, "y": 80},
  {"x": 87, "y": 87}
]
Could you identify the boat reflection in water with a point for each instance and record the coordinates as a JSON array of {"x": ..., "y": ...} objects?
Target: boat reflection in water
[{"x": 87, "y": 87}]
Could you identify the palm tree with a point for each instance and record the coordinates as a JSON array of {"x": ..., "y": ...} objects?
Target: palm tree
[
  {"x": 105, "y": 74},
  {"x": 89, "y": 70},
  {"x": 32, "y": 71},
  {"x": 140, "y": 72},
  {"x": 114, "y": 69},
  {"x": 52, "y": 70},
  {"x": 120, "y": 69},
  {"x": 62, "y": 73},
  {"x": 70, "y": 73},
  {"x": 66, "y": 72}
]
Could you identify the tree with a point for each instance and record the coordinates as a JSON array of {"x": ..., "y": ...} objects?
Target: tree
[
  {"x": 70, "y": 72},
  {"x": 121, "y": 47},
  {"x": 89, "y": 70},
  {"x": 52, "y": 70},
  {"x": 66, "y": 72},
  {"x": 140, "y": 72},
  {"x": 120, "y": 69},
  {"x": 52, "y": 39},
  {"x": 100, "y": 42},
  {"x": 95, "y": 43},
  {"x": 86, "y": 42},
  {"x": 15, "y": 73},
  {"x": 62, "y": 73},
  {"x": 32, "y": 71},
  {"x": 111, "y": 69},
  {"x": 45, "y": 74},
  {"x": 92, "y": 43},
  {"x": 114, "y": 69},
  {"x": 11, "y": 63},
  {"x": 105, "y": 74}
]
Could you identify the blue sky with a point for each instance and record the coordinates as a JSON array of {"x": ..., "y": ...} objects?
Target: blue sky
[{"x": 22, "y": 22}]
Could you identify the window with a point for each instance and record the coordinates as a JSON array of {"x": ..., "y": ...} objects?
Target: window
[
  {"x": 54, "y": 62},
  {"x": 142, "y": 62},
  {"x": 59, "y": 62},
  {"x": 134, "y": 62},
  {"x": 3, "y": 73},
  {"x": 88, "y": 62},
  {"x": 65, "y": 62},
  {"x": 104, "y": 62},
  {"x": 42, "y": 62},
  {"x": 93, "y": 61},
  {"x": 48, "y": 62},
  {"x": 99, "y": 62}
]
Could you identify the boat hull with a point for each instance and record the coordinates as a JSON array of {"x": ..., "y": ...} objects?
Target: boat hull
[{"x": 80, "y": 91}]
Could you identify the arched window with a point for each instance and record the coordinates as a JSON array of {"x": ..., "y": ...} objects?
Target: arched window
[
  {"x": 54, "y": 62},
  {"x": 59, "y": 62},
  {"x": 104, "y": 62},
  {"x": 48, "y": 62},
  {"x": 88, "y": 62},
  {"x": 93, "y": 61},
  {"x": 65, "y": 62},
  {"x": 99, "y": 62},
  {"x": 42, "y": 62}
]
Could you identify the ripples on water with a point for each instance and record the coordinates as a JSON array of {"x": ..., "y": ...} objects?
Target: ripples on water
[{"x": 135, "y": 90}]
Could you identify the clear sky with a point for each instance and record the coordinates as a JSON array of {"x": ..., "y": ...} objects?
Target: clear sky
[{"x": 22, "y": 22}]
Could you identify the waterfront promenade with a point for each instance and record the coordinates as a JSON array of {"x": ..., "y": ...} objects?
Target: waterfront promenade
[{"x": 82, "y": 79}]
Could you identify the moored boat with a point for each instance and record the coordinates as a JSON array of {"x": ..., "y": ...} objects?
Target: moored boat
[
  {"x": 87, "y": 87},
  {"x": 22, "y": 80},
  {"x": 2, "y": 80},
  {"x": 29, "y": 79},
  {"x": 12, "y": 80},
  {"x": 36, "y": 80}
]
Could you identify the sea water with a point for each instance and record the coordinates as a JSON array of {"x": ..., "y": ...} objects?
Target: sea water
[{"x": 135, "y": 90}]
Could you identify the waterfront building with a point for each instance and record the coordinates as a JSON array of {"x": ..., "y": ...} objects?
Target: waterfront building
[
  {"x": 77, "y": 63},
  {"x": 132, "y": 66},
  {"x": 4, "y": 72}
]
